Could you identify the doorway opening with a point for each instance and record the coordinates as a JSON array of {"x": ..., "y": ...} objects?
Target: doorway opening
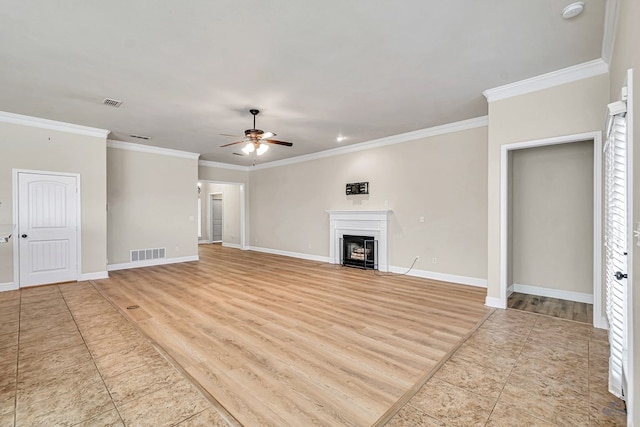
[
  {"x": 507, "y": 285},
  {"x": 222, "y": 213}
]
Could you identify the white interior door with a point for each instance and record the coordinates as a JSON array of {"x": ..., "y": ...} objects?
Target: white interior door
[
  {"x": 47, "y": 228},
  {"x": 216, "y": 220}
]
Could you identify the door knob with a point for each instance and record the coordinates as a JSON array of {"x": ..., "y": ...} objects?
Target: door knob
[
  {"x": 620, "y": 275},
  {"x": 24, "y": 236}
]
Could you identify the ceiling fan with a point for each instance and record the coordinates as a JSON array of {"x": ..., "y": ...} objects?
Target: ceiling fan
[{"x": 256, "y": 139}]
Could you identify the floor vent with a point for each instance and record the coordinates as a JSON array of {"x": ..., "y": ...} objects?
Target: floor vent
[{"x": 147, "y": 254}]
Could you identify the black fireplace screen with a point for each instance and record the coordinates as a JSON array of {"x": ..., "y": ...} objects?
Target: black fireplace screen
[{"x": 360, "y": 252}]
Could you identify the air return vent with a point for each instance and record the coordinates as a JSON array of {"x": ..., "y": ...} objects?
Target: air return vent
[
  {"x": 112, "y": 102},
  {"x": 146, "y": 138},
  {"x": 147, "y": 254}
]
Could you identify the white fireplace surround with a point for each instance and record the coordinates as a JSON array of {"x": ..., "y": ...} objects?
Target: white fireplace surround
[{"x": 359, "y": 223}]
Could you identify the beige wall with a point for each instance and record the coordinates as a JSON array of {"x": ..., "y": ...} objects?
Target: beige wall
[
  {"x": 24, "y": 147},
  {"x": 442, "y": 178},
  {"x": 231, "y": 211},
  {"x": 152, "y": 202},
  {"x": 552, "y": 222},
  {"x": 627, "y": 55},
  {"x": 568, "y": 109}
]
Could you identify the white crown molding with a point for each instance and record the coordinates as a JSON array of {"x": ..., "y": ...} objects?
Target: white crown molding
[
  {"x": 549, "y": 80},
  {"x": 36, "y": 122},
  {"x": 609, "y": 34},
  {"x": 389, "y": 140},
  {"x": 219, "y": 165},
  {"x": 130, "y": 146}
]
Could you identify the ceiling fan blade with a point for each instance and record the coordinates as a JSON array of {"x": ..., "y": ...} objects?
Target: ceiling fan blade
[
  {"x": 228, "y": 134},
  {"x": 273, "y": 141},
  {"x": 267, "y": 135},
  {"x": 232, "y": 143}
]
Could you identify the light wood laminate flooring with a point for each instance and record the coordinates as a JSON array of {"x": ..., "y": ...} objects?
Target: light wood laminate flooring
[{"x": 281, "y": 341}]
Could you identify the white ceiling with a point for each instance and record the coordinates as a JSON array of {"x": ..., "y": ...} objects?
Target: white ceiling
[{"x": 188, "y": 71}]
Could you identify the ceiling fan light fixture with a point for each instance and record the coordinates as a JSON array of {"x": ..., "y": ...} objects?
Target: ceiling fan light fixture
[
  {"x": 247, "y": 149},
  {"x": 262, "y": 149}
]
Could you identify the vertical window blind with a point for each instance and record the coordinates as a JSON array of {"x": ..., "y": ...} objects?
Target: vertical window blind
[{"x": 616, "y": 231}]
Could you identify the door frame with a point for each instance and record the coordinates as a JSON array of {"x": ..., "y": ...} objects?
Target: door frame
[
  {"x": 16, "y": 242},
  {"x": 241, "y": 185},
  {"x": 211, "y": 199},
  {"x": 599, "y": 320}
]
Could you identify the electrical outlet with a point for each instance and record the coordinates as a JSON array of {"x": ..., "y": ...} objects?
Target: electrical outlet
[
  {"x": 434, "y": 260},
  {"x": 421, "y": 219}
]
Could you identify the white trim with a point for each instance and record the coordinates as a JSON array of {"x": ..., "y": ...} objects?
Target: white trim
[
  {"x": 16, "y": 242},
  {"x": 553, "y": 293},
  {"x": 9, "y": 286},
  {"x": 381, "y": 142},
  {"x": 203, "y": 242},
  {"x": 151, "y": 262},
  {"x": 130, "y": 146},
  {"x": 545, "y": 81},
  {"x": 210, "y": 164},
  {"x": 441, "y": 277},
  {"x": 609, "y": 33},
  {"x": 494, "y": 302},
  {"x": 596, "y": 137},
  {"x": 36, "y": 122},
  {"x": 372, "y": 223},
  {"x": 94, "y": 276},
  {"x": 231, "y": 245},
  {"x": 290, "y": 254},
  {"x": 243, "y": 242}
]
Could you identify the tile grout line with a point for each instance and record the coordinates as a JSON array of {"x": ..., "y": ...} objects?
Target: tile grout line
[
  {"x": 220, "y": 409},
  {"x": 15, "y": 394},
  {"x": 415, "y": 389},
  {"x": 92, "y": 361},
  {"x": 513, "y": 368}
]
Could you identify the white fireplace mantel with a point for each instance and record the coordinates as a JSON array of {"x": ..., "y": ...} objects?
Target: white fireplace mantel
[{"x": 359, "y": 222}]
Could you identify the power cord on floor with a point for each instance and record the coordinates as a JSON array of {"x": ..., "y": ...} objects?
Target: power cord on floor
[{"x": 377, "y": 273}]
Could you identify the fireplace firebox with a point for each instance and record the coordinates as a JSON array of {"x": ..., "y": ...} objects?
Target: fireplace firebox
[{"x": 359, "y": 252}]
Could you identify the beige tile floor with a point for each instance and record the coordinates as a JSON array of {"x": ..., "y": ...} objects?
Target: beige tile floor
[
  {"x": 67, "y": 357},
  {"x": 520, "y": 369}
]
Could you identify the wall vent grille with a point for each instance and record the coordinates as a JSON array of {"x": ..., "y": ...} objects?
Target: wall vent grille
[
  {"x": 133, "y": 135},
  {"x": 112, "y": 102},
  {"x": 147, "y": 254}
]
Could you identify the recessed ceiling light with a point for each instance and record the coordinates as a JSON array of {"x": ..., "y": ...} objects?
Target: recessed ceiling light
[
  {"x": 341, "y": 138},
  {"x": 573, "y": 10}
]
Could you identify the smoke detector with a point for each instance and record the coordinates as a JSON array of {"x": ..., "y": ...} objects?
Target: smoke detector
[{"x": 573, "y": 10}]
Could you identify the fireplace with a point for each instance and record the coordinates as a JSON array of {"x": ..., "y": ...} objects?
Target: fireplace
[
  {"x": 360, "y": 252},
  {"x": 368, "y": 223}
]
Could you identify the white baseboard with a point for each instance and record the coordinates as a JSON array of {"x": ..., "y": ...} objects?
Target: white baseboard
[
  {"x": 553, "y": 293},
  {"x": 151, "y": 262},
  {"x": 494, "y": 302},
  {"x": 443, "y": 277},
  {"x": 93, "y": 276},
  {"x": 231, "y": 245},
  {"x": 291, "y": 254},
  {"x": 600, "y": 322},
  {"x": 510, "y": 291},
  {"x": 203, "y": 242},
  {"x": 9, "y": 286}
]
